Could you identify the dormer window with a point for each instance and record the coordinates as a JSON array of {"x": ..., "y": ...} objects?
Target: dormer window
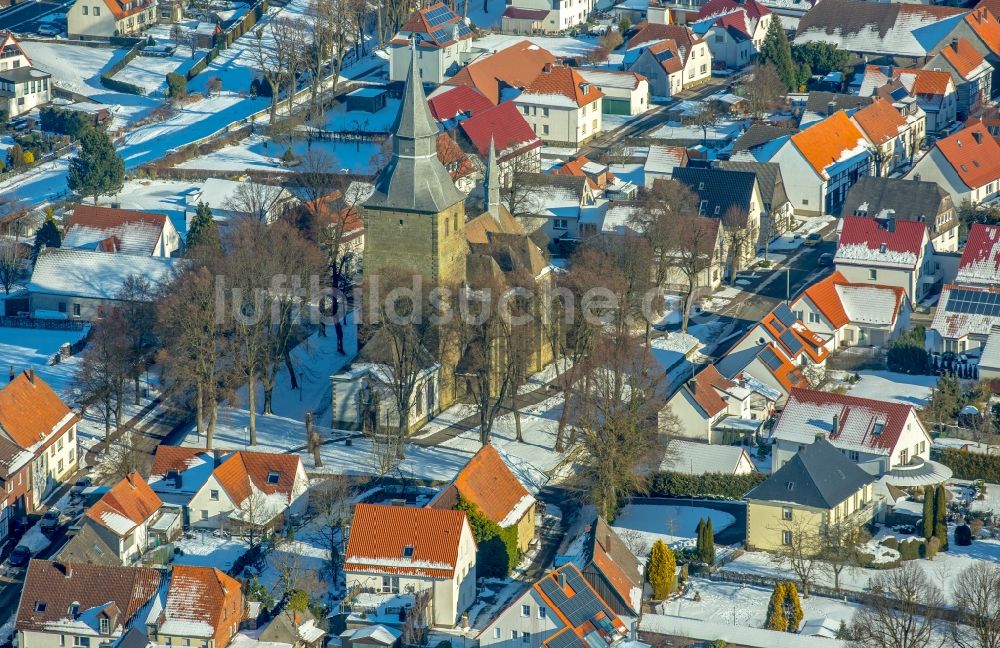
[
  {"x": 40, "y": 606},
  {"x": 883, "y": 248},
  {"x": 408, "y": 551},
  {"x": 105, "y": 626},
  {"x": 74, "y": 609},
  {"x": 273, "y": 477},
  {"x": 879, "y": 427}
]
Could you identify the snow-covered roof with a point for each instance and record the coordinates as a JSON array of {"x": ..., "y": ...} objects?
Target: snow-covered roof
[
  {"x": 664, "y": 159},
  {"x": 989, "y": 358},
  {"x": 378, "y": 632},
  {"x": 965, "y": 310},
  {"x": 694, "y": 458},
  {"x": 980, "y": 262},
  {"x": 741, "y": 635},
  {"x": 94, "y": 275},
  {"x": 871, "y": 305}
]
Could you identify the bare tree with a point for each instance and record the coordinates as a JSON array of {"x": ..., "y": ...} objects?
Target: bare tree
[
  {"x": 976, "y": 596},
  {"x": 12, "y": 259},
  {"x": 764, "y": 92},
  {"x": 800, "y": 550},
  {"x": 740, "y": 239},
  {"x": 417, "y": 621},
  {"x": 840, "y": 548},
  {"x": 901, "y": 611},
  {"x": 276, "y": 52},
  {"x": 290, "y": 36},
  {"x": 122, "y": 456},
  {"x": 333, "y": 20},
  {"x": 332, "y": 500},
  {"x": 255, "y": 201},
  {"x": 138, "y": 310},
  {"x": 106, "y": 367},
  {"x": 706, "y": 117},
  {"x": 253, "y": 515}
]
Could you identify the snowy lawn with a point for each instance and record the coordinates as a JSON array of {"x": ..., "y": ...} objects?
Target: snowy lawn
[
  {"x": 206, "y": 549},
  {"x": 259, "y": 152},
  {"x": 675, "y": 525},
  {"x": 901, "y": 388},
  {"x": 160, "y": 196},
  {"x": 150, "y": 72},
  {"x": 341, "y": 120},
  {"x": 24, "y": 348},
  {"x": 673, "y": 348}
]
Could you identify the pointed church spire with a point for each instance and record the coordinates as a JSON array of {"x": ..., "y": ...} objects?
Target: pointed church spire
[
  {"x": 491, "y": 189},
  {"x": 414, "y": 120}
]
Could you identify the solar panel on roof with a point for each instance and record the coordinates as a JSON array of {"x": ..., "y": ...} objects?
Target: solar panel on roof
[
  {"x": 440, "y": 34},
  {"x": 791, "y": 342},
  {"x": 567, "y": 639},
  {"x": 438, "y": 16},
  {"x": 974, "y": 302},
  {"x": 784, "y": 314},
  {"x": 463, "y": 29},
  {"x": 770, "y": 358}
]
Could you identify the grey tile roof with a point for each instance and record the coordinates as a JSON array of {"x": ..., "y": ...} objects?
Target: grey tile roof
[
  {"x": 818, "y": 476},
  {"x": 908, "y": 199},
  {"x": 759, "y": 134},
  {"x": 722, "y": 189},
  {"x": 819, "y": 102},
  {"x": 772, "y": 185}
]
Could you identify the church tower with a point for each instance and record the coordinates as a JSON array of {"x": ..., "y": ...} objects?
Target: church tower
[{"x": 415, "y": 220}]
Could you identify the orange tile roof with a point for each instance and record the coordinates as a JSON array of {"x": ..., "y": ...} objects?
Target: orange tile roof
[
  {"x": 205, "y": 595},
  {"x": 671, "y": 64},
  {"x": 565, "y": 81},
  {"x": 823, "y": 295},
  {"x": 125, "y": 9},
  {"x": 811, "y": 343},
  {"x": 582, "y": 629},
  {"x": 704, "y": 388},
  {"x": 930, "y": 82},
  {"x": 131, "y": 499},
  {"x": 787, "y": 374},
  {"x": 434, "y": 535},
  {"x": 31, "y": 412},
  {"x": 985, "y": 24},
  {"x": 963, "y": 57},
  {"x": 177, "y": 458},
  {"x": 973, "y": 154},
  {"x": 235, "y": 473},
  {"x": 575, "y": 166},
  {"x": 827, "y": 141},
  {"x": 515, "y": 66},
  {"x": 487, "y": 482},
  {"x": 880, "y": 121},
  {"x": 439, "y": 34}
]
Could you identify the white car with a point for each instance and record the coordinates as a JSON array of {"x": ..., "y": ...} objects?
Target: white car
[{"x": 49, "y": 30}]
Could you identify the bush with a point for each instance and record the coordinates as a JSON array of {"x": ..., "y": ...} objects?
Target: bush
[
  {"x": 443, "y": 644},
  {"x": 931, "y": 548},
  {"x": 971, "y": 465},
  {"x": 891, "y": 543},
  {"x": 176, "y": 85},
  {"x": 65, "y": 122},
  {"x": 907, "y": 353},
  {"x": 726, "y": 486},
  {"x": 963, "y": 535},
  {"x": 29, "y": 157},
  {"x": 976, "y": 525},
  {"x": 498, "y": 552},
  {"x": 718, "y": 643},
  {"x": 911, "y": 549}
]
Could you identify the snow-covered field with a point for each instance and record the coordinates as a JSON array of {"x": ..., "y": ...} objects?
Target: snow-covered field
[
  {"x": 33, "y": 349},
  {"x": 342, "y": 120},
  {"x": 206, "y": 549},
  {"x": 675, "y": 525},
  {"x": 150, "y": 72},
  {"x": 161, "y": 196},
  {"x": 259, "y": 152},
  {"x": 897, "y": 387}
]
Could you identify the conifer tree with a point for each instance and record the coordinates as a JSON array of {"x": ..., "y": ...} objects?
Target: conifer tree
[
  {"x": 793, "y": 607},
  {"x": 940, "y": 515},
  {"x": 929, "y": 517},
  {"x": 97, "y": 170},
  {"x": 708, "y": 549},
  {"x": 699, "y": 544},
  {"x": 777, "y": 51},
  {"x": 49, "y": 234},
  {"x": 660, "y": 571},
  {"x": 203, "y": 230},
  {"x": 776, "y": 609}
]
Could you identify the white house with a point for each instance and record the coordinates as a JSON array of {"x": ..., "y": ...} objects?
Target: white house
[
  {"x": 545, "y": 16},
  {"x": 693, "y": 458},
  {"x": 625, "y": 93},
  {"x": 123, "y": 515},
  {"x": 102, "y": 19},
  {"x": 933, "y": 91},
  {"x": 122, "y": 231},
  {"x": 711, "y": 408},
  {"x": 427, "y": 549},
  {"x": 671, "y": 57},
  {"x": 23, "y": 87},
  {"x": 970, "y": 71},
  {"x": 892, "y": 138},
  {"x": 888, "y": 252},
  {"x": 966, "y": 164},
  {"x": 561, "y": 106},
  {"x": 443, "y": 42}
]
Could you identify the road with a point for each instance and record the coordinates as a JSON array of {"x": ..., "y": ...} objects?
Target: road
[{"x": 24, "y": 16}]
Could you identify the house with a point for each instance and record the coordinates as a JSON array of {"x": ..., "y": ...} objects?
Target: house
[
  {"x": 778, "y": 215},
  {"x": 694, "y": 458},
  {"x": 371, "y": 636},
  {"x": 455, "y": 103},
  {"x": 457, "y": 162},
  {"x": 429, "y": 549},
  {"x": 599, "y": 178},
  {"x": 966, "y": 164},
  {"x": 714, "y": 409},
  {"x": 553, "y": 204},
  {"x": 903, "y": 31},
  {"x": 817, "y": 105},
  {"x": 204, "y": 607},
  {"x": 759, "y": 141},
  {"x": 877, "y": 435},
  {"x": 79, "y": 604},
  {"x": 487, "y": 482},
  {"x": 608, "y": 565},
  {"x": 889, "y": 252},
  {"x": 893, "y": 142},
  {"x": 86, "y": 546},
  {"x": 229, "y": 199},
  {"x": 816, "y": 489},
  {"x": 661, "y": 162},
  {"x": 23, "y": 87},
  {"x": 797, "y": 343},
  {"x": 758, "y": 16},
  {"x": 104, "y": 19},
  {"x": 75, "y": 284},
  {"x": 560, "y": 609},
  {"x": 518, "y": 148},
  {"x": 511, "y": 68},
  {"x": 853, "y": 314},
  {"x": 965, "y": 316},
  {"x": 671, "y": 57},
  {"x": 971, "y": 72},
  {"x": 767, "y": 366},
  {"x": 562, "y": 108},
  {"x": 734, "y": 31},
  {"x": 295, "y": 628},
  {"x": 911, "y": 200},
  {"x": 734, "y": 198},
  {"x": 224, "y": 489},
  {"x": 989, "y": 357},
  {"x": 122, "y": 517},
  {"x": 933, "y": 90},
  {"x": 625, "y": 93},
  {"x": 527, "y": 17},
  {"x": 820, "y": 163},
  {"x": 980, "y": 262},
  {"x": 981, "y": 28},
  {"x": 443, "y": 41},
  {"x": 121, "y": 231}
]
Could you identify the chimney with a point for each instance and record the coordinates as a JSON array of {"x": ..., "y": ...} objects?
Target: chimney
[
  {"x": 954, "y": 44},
  {"x": 562, "y": 580},
  {"x": 831, "y": 107},
  {"x": 297, "y": 616},
  {"x": 547, "y": 67},
  {"x": 31, "y": 375},
  {"x": 217, "y": 454},
  {"x": 890, "y": 225},
  {"x": 65, "y": 568},
  {"x": 835, "y": 430},
  {"x": 978, "y": 136},
  {"x": 607, "y": 541}
]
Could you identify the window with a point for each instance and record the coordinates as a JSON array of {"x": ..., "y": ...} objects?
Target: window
[
  {"x": 10, "y": 487},
  {"x": 40, "y": 606},
  {"x": 545, "y": 112},
  {"x": 786, "y": 513},
  {"x": 86, "y": 9},
  {"x": 496, "y": 632},
  {"x": 408, "y": 551},
  {"x": 166, "y": 640},
  {"x": 525, "y": 109},
  {"x": 60, "y": 468},
  {"x": 702, "y": 206},
  {"x": 872, "y": 274},
  {"x": 105, "y": 626},
  {"x": 273, "y": 477},
  {"x": 923, "y": 446},
  {"x": 62, "y": 640},
  {"x": 204, "y": 514},
  {"x": 526, "y": 610},
  {"x": 83, "y": 642},
  {"x": 71, "y": 430},
  {"x": 525, "y": 637},
  {"x": 513, "y": 634},
  {"x": 542, "y": 612},
  {"x": 76, "y": 309},
  {"x": 904, "y": 456},
  {"x": 213, "y": 495},
  {"x": 62, "y": 307},
  {"x": 560, "y": 223},
  {"x": 59, "y": 444},
  {"x": 813, "y": 318},
  {"x": 879, "y": 427},
  {"x": 97, "y": 11},
  {"x": 545, "y": 129},
  {"x": 853, "y": 455},
  {"x": 786, "y": 537}
]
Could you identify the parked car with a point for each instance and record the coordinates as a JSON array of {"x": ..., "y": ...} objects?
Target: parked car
[
  {"x": 814, "y": 239},
  {"x": 80, "y": 486},
  {"x": 50, "y": 521},
  {"x": 825, "y": 259},
  {"x": 49, "y": 30},
  {"x": 20, "y": 556}
]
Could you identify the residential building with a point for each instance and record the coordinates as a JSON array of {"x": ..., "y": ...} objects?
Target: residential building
[
  {"x": 989, "y": 358},
  {"x": 695, "y": 458},
  {"x": 821, "y": 163},
  {"x": 38, "y": 447},
  {"x": 443, "y": 44},
  {"x": 933, "y": 90},
  {"x": 966, "y": 164},
  {"x": 965, "y": 316},
  {"x": 760, "y": 142},
  {"x": 797, "y": 343},
  {"x": 450, "y": 105},
  {"x": 671, "y": 57},
  {"x": 817, "y": 105},
  {"x": 625, "y": 93},
  {"x": 296, "y": 628},
  {"x": 877, "y": 435},
  {"x": 853, "y": 314},
  {"x": 86, "y": 546},
  {"x": 122, "y": 517},
  {"x": 75, "y": 284},
  {"x": 23, "y": 87},
  {"x": 204, "y": 607},
  {"x": 103, "y": 19},
  {"x": 525, "y": 16},
  {"x": 511, "y": 68},
  {"x": 980, "y": 262},
  {"x": 889, "y": 252},
  {"x": 231, "y": 200},
  {"x": 229, "y": 489},
  {"x": 734, "y": 197},
  {"x": 778, "y": 214},
  {"x": 518, "y": 147},
  {"x": 554, "y": 204},
  {"x": 767, "y": 366},
  {"x": 661, "y": 162},
  {"x": 122, "y": 231},
  {"x": 911, "y": 200},
  {"x": 892, "y": 141},
  {"x": 561, "y": 608},
  {"x": 487, "y": 482},
  {"x": 429, "y": 549},
  {"x": 711, "y": 408},
  {"x": 562, "y": 108},
  {"x": 971, "y": 72},
  {"x": 981, "y": 28},
  {"x": 816, "y": 489},
  {"x": 734, "y": 31},
  {"x": 758, "y": 17},
  {"x": 878, "y": 29}
]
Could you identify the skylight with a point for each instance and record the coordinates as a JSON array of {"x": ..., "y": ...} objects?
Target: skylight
[
  {"x": 273, "y": 477},
  {"x": 408, "y": 551}
]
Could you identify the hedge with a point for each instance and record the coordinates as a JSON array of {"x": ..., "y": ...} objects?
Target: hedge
[
  {"x": 971, "y": 465},
  {"x": 121, "y": 86},
  {"x": 722, "y": 485}
]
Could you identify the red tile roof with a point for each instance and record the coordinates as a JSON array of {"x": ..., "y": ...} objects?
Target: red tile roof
[
  {"x": 460, "y": 100},
  {"x": 828, "y": 141},
  {"x": 204, "y": 595},
  {"x": 823, "y": 294},
  {"x": 908, "y": 238},
  {"x": 981, "y": 255},
  {"x": 680, "y": 34},
  {"x": 129, "y": 501},
  {"x": 930, "y": 82},
  {"x": 512, "y": 135},
  {"x": 433, "y": 534},
  {"x": 668, "y": 55},
  {"x": 487, "y": 482},
  {"x": 895, "y": 413},
  {"x": 108, "y": 217},
  {"x": 31, "y": 412},
  {"x": 705, "y": 387},
  {"x": 177, "y": 458},
  {"x": 973, "y": 154},
  {"x": 985, "y": 24},
  {"x": 880, "y": 121},
  {"x": 963, "y": 57},
  {"x": 521, "y": 13},
  {"x": 515, "y": 67},
  {"x": 575, "y": 166},
  {"x": 236, "y": 473},
  {"x": 565, "y": 81}
]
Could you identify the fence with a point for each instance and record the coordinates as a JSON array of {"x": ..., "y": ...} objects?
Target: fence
[
  {"x": 120, "y": 86},
  {"x": 41, "y": 323},
  {"x": 857, "y": 358},
  {"x": 226, "y": 38}
]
